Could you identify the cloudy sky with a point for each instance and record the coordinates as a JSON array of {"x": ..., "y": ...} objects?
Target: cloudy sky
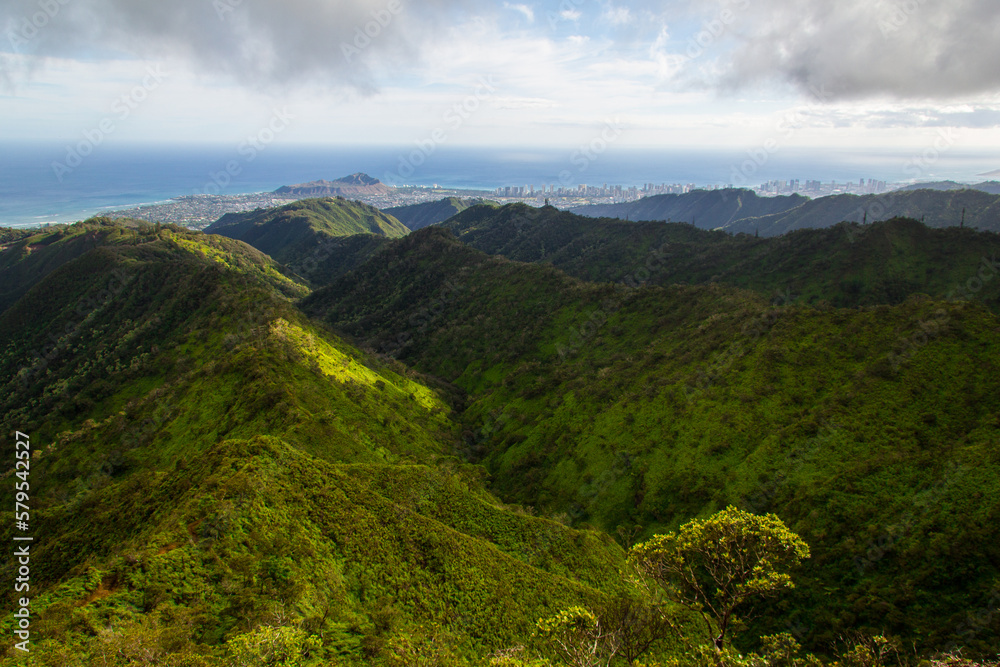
[{"x": 863, "y": 74}]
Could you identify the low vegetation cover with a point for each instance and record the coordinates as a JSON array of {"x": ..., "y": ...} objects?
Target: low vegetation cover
[
  {"x": 443, "y": 457},
  {"x": 303, "y": 235}
]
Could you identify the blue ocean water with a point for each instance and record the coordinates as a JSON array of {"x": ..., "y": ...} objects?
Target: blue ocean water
[{"x": 41, "y": 183}]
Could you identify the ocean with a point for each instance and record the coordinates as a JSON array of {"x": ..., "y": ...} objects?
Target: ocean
[{"x": 42, "y": 183}]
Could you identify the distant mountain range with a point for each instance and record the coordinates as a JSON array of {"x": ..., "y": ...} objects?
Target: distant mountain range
[
  {"x": 847, "y": 265},
  {"x": 993, "y": 187},
  {"x": 354, "y": 185},
  {"x": 743, "y": 211},
  {"x": 706, "y": 209},
  {"x": 418, "y": 216}
]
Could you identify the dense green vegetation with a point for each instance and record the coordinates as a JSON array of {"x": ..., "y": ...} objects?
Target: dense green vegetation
[
  {"x": 565, "y": 452},
  {"x": 209, "y": 462},
  {"x": 866, "y": 430},
  {"x": 705, "y": 209},
  {"x": 31, "y": 256},
  {"x": 846, "y": 266},
  {"x": 418, "y": 216},
  {"x": 300, "y": 234}
]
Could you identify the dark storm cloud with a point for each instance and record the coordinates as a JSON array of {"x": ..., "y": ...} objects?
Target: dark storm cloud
[
  {"x": 257, "y": 42},
  {"x": 846, "y": 49}
]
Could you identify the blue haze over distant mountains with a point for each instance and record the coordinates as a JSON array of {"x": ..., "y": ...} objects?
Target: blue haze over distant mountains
[{"x": 114, "y": 176}]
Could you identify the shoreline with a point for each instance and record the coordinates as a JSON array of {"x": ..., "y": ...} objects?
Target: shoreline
[{"x": 198, "y": 211}]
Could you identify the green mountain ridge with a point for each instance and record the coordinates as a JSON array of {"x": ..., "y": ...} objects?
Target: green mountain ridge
[
  {"x": 298, "y": 234},
  {"x": 980, "y": 210},
  {"x": 647, "y": 406},
  {"x": 207, "y": 460},
  {"x": 742, "y": 211},
  {"x": 992, "y": 187},
  {"x": 420, "y": 458},
  {"x": 848, "y": 265},
  {"x": 705, "y": 209}
]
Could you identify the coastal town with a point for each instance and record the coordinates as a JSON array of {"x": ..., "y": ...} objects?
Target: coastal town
[{"x": 199, "y": 211}]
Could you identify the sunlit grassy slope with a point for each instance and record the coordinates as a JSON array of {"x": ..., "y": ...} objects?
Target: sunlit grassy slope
[
  {"x": 207, "y": 460},
  {"x": 304, "y": 234}
]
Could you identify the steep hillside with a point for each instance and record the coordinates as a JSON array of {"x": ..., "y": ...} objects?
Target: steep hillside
[
  {"x": 174, "y": 318},
  {"x": 361, "y": 561},
  {"x": 9, "y": 235},
  {"x": 849, "y": 265},
  {"x": 31, "y": 256},
  {"x": 297, "y": 234},
  {"x": 742, "y": 211},
  {"x": 992, "y": 187},
  {"x": 208, "y": 464},
  {"x": 872, "y": 431},
  {"x": 418, "y": 216},
  {"x": 334, "y": 256},
  {"x": 932, "y": 207},
  {"x": 705, "y": 209}
]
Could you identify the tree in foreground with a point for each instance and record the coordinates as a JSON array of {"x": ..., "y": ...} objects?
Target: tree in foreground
[
  {"x": 269, "y": 646},
  {"x": 715, "y": 566},
  {"x": 579, "y": 638}
]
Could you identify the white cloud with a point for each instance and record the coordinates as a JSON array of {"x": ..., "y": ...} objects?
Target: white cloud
[
  {"x": 857, "y": 49},
  {"x": 507, "y": 102},
  {"x": 259, "y": 43},
  {"x": 617, "y": 15},
  {"x": 527, "y": 11},
  {"x": 553, "y": 88}
]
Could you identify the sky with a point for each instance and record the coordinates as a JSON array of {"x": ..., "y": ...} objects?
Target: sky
[{"x": 861, "y": 75}]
